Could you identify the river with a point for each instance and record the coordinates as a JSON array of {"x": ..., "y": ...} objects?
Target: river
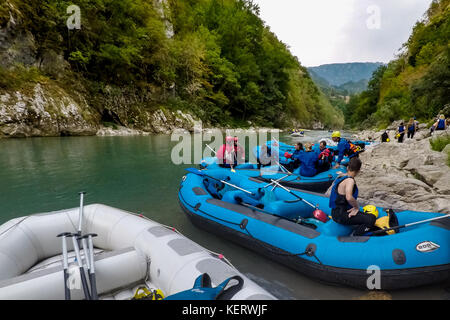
[{"x": 136, "y": 174}]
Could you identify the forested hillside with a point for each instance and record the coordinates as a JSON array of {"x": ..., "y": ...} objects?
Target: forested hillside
[
  {"x": 417, "y": 83},
  {"x": 214, "y": 59},
  {"x": 337, "y": 74}
]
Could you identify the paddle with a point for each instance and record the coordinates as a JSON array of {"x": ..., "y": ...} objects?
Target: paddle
[
  {"x": 278, "y": 180},
  {"x": 409, "y": 224},
  {"x": 80, "y": 217},
  {"x": 89, "y": 252},
  {"x": 202, "y": 174},
  {"x": 80, "y": 266},
  {"x": 211, "y": 149},
  {"x": 299, "y": 220},
  {"x": 65, "y": 264},
  {"x": 298, "y": 197}
]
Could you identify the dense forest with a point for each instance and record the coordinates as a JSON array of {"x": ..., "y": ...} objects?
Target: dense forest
[
  {"x": 416, "y": 84},
  {"x": 213, "y": 58}
]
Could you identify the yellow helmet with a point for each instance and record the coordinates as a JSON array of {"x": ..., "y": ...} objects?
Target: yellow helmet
[
  {"x": 336, "y": 134},
  {"x": 370, "y": 209},
  {"x": 388, "y": 140}
]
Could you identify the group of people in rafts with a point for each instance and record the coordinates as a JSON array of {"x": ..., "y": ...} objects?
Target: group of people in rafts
[
  {"x": 311, "y": 162},
  {"x": 344, "y": 192}
]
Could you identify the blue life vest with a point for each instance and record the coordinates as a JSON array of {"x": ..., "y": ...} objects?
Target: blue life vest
[
  {"x": 441, "y": 124},
  {"x": 334, "y": 192},
  {"x": 342, "y": 147},
  {"x": 309, "y": 161},
  {"x": 401, "y": 129},
  {"x": 203, "y": 290}
]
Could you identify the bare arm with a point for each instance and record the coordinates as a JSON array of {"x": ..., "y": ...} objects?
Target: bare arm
[{"x": 350, "y": 183}]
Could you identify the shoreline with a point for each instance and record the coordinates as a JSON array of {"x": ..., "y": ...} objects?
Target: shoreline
[{"x": 406, "y": 176}]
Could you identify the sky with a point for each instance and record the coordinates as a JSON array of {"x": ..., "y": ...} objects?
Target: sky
[{"x": 339, "y": 31}]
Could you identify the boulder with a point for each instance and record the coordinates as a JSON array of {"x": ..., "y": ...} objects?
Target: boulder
[{"x": 405, "y": 176}]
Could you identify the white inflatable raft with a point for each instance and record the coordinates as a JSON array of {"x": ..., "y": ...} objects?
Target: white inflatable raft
[{"x": 130, "y": 251}]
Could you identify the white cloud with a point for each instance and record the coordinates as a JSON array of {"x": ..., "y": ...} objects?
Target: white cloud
[{"x": 331, "y": 31}]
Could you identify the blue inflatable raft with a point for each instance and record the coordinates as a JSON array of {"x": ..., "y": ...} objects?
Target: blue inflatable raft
[
  {"x": 271, "y": 223},
  {"x": 319, "y": 183}
]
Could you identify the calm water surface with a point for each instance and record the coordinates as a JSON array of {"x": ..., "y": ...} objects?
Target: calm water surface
[{"x": 136, "y": 174}]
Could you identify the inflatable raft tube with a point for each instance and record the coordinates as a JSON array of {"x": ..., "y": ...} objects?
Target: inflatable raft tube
[
  {"x": 130, "y": 251},
  {"x": 319, "y": 183},
  {"x": 416, "y": 256}
]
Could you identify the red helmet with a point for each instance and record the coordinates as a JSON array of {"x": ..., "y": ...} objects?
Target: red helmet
[{"x": 320, "y": 215}]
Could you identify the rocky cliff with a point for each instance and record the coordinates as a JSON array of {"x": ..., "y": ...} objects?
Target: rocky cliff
[{"x": 40, "y": 96}]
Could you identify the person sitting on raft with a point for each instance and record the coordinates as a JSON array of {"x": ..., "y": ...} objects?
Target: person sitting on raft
[
  {"x": 343, "y": 148},
  {"x": 325, "y": 157},
  {"x": 295, "y": 157},
  {"x": 308, "y": 160},
  {"x": 344, "y": 204},
  {"x": 264, "y": 157},
  {"x": 231, "y": 153}
]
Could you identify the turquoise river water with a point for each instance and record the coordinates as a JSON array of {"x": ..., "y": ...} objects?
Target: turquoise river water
[{"x": 137, "y": 174}]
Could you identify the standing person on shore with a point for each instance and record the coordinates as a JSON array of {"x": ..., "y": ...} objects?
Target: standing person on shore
[
  {"x": 385, "y": 137},
  {"x": 401, "y": 132},
  {"x": 411, "y": 128},
  {"x": 344, "y": 204}
]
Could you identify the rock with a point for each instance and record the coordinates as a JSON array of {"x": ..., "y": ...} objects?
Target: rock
[
  {"x": 120, "y": 131},
  {"x": 405, "y": 176},
  {"x": 17, "y": 46},
  {"x": 53, "y": 64},
  {"x": 46, "y": 111},
  {"x": 446, "y": 150}
]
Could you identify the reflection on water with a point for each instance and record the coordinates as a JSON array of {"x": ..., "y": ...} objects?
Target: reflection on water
[{"x": 136, "y": 174}]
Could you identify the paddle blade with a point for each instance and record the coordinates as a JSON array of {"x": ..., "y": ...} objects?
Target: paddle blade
[{"x": 195, "y": 171}]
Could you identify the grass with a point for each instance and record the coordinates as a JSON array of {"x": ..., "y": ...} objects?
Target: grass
[
  {"x": 439, "y": 143},
  {"x": 20, "y": 76}
]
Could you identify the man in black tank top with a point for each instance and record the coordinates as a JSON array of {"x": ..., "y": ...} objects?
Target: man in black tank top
[{"x": 344, "y": 204}]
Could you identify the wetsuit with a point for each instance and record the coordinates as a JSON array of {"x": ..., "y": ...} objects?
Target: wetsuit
[
  {"x": 411, "y": 131},
  {"x": 308, "y": 161},
  {"x": 324, "y": 161},
  {"x": 401, "y": 131},
  {"x": 230, "y": 155},
  {"x": 339, "y": 205},
  {"x": 264, "y": 158},
  {"x": 384, "y": 137},
  {"x": 295, "y": 163}
]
